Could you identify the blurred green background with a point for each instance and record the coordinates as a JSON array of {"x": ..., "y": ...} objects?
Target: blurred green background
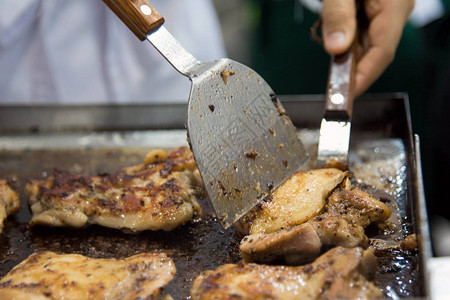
[{"x": 273, "y": 38}]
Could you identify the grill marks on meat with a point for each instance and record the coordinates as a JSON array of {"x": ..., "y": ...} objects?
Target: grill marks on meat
[
  {"x": 340, "y": 273},
  {"x": 47, "y": 275},
  {"x": 9, "y": 202},
  {"x": 341, "y": 223},
  {"x": 152, "y": 196}
]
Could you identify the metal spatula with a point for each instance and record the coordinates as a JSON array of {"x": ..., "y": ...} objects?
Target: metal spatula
[
  {"x": 334, "y": 136},
  {"x": 243, "y": 142}
]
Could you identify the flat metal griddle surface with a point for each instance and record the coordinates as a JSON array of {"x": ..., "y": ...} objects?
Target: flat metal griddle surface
[{"x": 197, "y": 245}]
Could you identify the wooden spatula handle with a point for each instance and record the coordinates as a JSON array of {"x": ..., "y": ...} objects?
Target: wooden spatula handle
[{"x": 138, "y": 15}]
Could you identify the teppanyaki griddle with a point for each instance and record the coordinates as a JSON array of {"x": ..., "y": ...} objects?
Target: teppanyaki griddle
[{"x": 34, "y": 140}]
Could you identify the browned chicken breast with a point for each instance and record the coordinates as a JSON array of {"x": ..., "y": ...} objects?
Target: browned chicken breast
[
  {"x": 47, "y": 275},
  {"x": 341, "y": 273},
  {"x": 341, "y": 222},
  {"x": 300, "y": 198},
  {"x": 9, "y": 202},
  {"x": 152, "y": 196}
]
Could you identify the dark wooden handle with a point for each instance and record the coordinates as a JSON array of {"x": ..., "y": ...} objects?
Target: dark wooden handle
[
  {"x": 138, "y": 15},
  {"x": 339, "y": 98}
]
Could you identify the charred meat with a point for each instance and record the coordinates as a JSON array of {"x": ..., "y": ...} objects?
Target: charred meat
[{"x": 155, "y": 195}]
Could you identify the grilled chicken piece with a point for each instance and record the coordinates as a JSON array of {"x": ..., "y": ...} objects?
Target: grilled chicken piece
[
  {"x": 341, "y": 273},
  {"x": 152, "y": 196},
  {"x": 342, "y": 223},
  {"x": 298, "y": 199},
  {"x": 47, "y": 275},
  {"x": 9, "y": 202},
  {"x": 294, "y": 245}
]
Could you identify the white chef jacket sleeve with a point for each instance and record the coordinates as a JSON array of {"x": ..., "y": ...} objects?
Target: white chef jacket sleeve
[
  {"x": 15, "y": 18},
  {"x": 79, "y": 52}
]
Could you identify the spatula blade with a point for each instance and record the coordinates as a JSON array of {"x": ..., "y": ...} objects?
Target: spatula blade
[
  {"x": 244, "y": 144},
  {"x": 334, "y": 143}
]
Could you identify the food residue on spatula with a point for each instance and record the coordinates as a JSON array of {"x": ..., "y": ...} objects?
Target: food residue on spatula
[{"x": 225, "y": 74}]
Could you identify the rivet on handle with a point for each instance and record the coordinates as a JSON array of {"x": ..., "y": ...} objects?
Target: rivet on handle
[
  {"x": 138, "y": 15},
  {"x": 145, "y": 9},
  {"x": 337, "y": 99}
]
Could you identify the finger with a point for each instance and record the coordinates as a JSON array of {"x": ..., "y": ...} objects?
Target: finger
[
  {"x": 401, "y": 9},
  {"x": 370, "y": 68},
  {"x": 384, "y": 33},
  {"x": 373, "y": 63},
  {"x": 338, "y": 25}
]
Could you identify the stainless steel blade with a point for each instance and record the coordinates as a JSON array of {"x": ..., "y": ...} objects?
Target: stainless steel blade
[
  {"x": 334, "y": 142},
  {"x": 171, "y": 49},
  {"x": 243, "y": 142}
]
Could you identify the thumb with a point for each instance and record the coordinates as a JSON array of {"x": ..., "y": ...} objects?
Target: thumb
[{"x": 338, "y": 25}]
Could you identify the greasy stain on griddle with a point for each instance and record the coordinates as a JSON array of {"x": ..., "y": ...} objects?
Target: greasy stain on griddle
[{"x": 398, "y": 273}]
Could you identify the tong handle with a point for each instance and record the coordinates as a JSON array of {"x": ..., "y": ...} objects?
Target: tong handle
[
  {"x": 339, "y": 98},
  {"x": 138, "y": 15}
]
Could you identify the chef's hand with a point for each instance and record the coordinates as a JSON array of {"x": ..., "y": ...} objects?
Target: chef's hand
[{"x": 386, "y": 21}]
